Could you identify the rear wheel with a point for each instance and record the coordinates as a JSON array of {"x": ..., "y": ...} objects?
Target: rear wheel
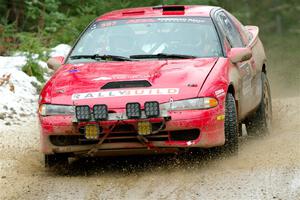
[
  {"x": 261, "y": 122},
  {"x": 56, "y": 160},
  {"x": 231, "y": 126}
]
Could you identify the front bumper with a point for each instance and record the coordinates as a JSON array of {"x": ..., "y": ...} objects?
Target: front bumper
[{"x": 208, "y": 123}]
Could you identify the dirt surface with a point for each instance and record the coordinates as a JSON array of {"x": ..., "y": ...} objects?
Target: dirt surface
[{"x": 265, "y": 168}]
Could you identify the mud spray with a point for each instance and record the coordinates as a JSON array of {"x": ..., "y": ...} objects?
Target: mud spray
[{"x": 265, "y": 168}]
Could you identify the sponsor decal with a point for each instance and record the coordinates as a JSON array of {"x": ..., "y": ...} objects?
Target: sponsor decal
[
  {"x": 93, "y": 27},
  {"x": 182, "y": 20},
  {"x": 105, "y": 78},
  {"x": 61, "y": 91},
  {"x": 108, "y": 24},
  {"x": 123, "y": 93},
  {"x": 78, "y": 65},
  {"x": 220, "y": 93},
  {"x": 220, "y": 117},
  {"x": 246, "y": 85},
  {"x": 246, "y": 73},
  {"x": 73, "y": 71},
  {"x": 102, "y": 78},
  {"x": 192, "y": 85},
  {"x": 136, "y": 21}
]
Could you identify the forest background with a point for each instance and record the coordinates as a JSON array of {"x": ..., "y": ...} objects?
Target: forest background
[{"x": 35, "y": 26}]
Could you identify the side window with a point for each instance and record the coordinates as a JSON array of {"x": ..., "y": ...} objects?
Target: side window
[
  {"x": 246, "y": 35},
  {"x": 230, "y": 30}
]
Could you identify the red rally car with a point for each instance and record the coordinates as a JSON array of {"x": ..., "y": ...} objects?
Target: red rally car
[{"x": 156, "y": 80}]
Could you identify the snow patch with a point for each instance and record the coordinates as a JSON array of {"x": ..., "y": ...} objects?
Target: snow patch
[
  {"x": 17, "y": 105},
  {"x": 20, "y": 103},
  {"x": 60, "y": 50}
]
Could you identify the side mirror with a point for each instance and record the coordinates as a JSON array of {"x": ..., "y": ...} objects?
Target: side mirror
[
  {"x": 239, "y": 54},
  {"x": 55, "y": 62}
]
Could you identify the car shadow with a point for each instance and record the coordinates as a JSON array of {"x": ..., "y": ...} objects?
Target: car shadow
[{"x": 127, "y": 165}]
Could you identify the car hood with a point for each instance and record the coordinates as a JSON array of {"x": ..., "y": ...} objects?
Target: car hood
[{"x": 177, "y": 79}]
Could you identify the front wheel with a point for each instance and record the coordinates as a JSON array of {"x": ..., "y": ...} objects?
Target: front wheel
[{"x": 231, "y": 125}]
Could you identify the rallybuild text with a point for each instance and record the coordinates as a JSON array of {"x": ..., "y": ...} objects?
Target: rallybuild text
[{"x": 122, "y": 93}]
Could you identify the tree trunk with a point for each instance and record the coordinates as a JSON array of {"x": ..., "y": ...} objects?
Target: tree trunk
[{"x": 15, "y": 10}]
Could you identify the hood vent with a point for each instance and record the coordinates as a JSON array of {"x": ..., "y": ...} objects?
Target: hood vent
[{"x": 126, "y": 84}]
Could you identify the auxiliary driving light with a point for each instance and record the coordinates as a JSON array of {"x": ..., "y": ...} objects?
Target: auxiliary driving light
[
  {"x": 91, "y": 132},
  {"x": 100, "y": 112},
  {"x": 83, "y": 113},
  {"x": 144, "y": 128},
  {"x": 133, "y": 110},
  {"x": 151, "y": 109}
]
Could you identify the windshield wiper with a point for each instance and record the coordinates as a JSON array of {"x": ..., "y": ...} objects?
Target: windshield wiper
[
  {"x": 162, "y": 55},
  {"x": 101, "y": 57}
]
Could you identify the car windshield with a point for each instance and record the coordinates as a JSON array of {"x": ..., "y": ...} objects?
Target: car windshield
[{"x": 186, "y": 37}]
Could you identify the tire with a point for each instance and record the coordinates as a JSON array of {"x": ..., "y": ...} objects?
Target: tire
[
  {"x": 56, "y": 160},
  {"x": 261, "y": 122},
  {"x": 231, "y": 126}
]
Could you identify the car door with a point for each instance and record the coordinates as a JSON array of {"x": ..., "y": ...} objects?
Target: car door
[{"x": 244, "y": 68}]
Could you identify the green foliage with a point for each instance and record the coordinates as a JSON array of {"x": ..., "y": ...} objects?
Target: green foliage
[
  {"x": 45, "y": 13},
  {"x": 30, "y": 42},
  {"x": 32, "y": 68},
  {"x": 44, "y": 23},
  {"x": 71, "y": 30}
]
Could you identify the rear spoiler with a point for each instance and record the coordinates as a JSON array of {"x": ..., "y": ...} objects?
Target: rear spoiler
[{"x": 254, "y": 30}]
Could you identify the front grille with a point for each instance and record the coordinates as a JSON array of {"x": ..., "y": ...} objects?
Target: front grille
[
  {"x": 132, "y": 137},
  {"x": 123, "y": 128},
  {"x": 67, "y": 140},
  {"x": 126, "y": 133}
]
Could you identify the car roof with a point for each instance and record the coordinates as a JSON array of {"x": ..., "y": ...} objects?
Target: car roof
[{"x": 158, "y": 11}]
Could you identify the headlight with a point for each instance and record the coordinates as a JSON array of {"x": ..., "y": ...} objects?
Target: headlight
[
  {"x": 190, "y": 104},
  {"x": 49, "y": 109}
]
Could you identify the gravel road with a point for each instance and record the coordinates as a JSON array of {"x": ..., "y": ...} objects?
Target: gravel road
[{"x": 265, "y": 168}]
